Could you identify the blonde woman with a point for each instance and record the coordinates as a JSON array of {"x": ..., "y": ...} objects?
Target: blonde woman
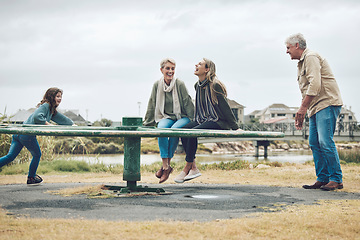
[
  {"x": 170, "y": 106},
  {"x": 212, "y": 111}
]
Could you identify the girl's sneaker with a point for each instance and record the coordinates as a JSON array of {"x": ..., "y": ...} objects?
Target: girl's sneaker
[{"x": 33, "y": 181}]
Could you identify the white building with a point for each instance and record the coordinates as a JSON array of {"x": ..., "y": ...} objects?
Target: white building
[
  {"x": 277, "y": 112},
  {"x": 280, "y": 113}
]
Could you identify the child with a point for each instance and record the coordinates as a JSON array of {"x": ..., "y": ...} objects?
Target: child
[{"x": 45, "y": 112}]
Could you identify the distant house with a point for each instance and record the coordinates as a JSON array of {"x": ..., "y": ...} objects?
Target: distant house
[
  {"x": 346, "y": 119},
  {"x": 346, "y": 115},
  {"x": 252, "y": 117},
  {"x": 21, "y": 115},
  {"x": 75, "y": 116},
  {"x": 280, "y": 113},
  {"x": 238, "y": 110},
  {"x": 277, "y": 113}
]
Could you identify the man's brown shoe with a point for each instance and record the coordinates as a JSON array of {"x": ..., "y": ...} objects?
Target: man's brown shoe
[
  {"x": 166, "y": 174},
  {"x": 332, "y": 186},
  {"x": 159, "y": 173},
  {"x": 316, "y": 185}
]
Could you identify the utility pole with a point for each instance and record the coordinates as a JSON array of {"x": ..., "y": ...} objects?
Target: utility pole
[{"x": 139, "y": 103}]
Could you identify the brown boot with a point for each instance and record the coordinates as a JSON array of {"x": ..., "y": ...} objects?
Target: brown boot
[
  {"x": 166, "y": 174},
  {"x": 332, "y": 186},
  {"x": 159, "y": 173},
  {"x": 316, "y": 185}
]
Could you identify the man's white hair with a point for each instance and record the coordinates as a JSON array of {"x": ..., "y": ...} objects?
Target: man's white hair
[{"x": 296, "y": 38}]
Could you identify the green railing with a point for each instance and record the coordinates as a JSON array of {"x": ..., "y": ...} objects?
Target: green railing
[{"x": 132, "y": 131}]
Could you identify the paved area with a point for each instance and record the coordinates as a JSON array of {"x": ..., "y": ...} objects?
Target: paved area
[{"x": 187, "y": 202}]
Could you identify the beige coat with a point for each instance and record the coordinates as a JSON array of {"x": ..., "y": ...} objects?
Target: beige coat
[{"x": 315, "y": 78}]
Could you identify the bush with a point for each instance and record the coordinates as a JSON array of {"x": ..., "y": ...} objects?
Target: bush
[
  {"x": 350, "y": 156},
  {"x": 111, "y": 148},
  {"x": 149, "y": 145},
  {"x": 117, "y": 140},
  {"x": 76, "y": 145},
  {"x": 5, "y": 141},
  {"x": 81, "y": 145}
]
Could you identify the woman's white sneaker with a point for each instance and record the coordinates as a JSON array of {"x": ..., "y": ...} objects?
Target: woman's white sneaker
[
  {"x": 192, "y": 174},
  {"x": 180, "y": 178}
]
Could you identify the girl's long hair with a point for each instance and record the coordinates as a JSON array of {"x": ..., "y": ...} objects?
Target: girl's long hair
[
  {"x": 49, "y": 98},
  {"x": 211, "y": 76}
]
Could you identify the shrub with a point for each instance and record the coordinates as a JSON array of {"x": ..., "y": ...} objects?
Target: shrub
[
  {"x": 149, "y": 145},
  {"x": 117, "y": 140},
  {"x": 111, "y": 148},
  {"x": 5, "y": 141},
  {"x": 76, "y": 145},
  {"x": 350, "y": 156}
]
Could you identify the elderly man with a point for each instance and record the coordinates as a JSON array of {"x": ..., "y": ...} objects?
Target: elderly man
[{"x": 322, "y": 101}]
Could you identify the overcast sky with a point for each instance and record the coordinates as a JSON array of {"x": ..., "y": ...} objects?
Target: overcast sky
[{"x": 105, "y": 54}]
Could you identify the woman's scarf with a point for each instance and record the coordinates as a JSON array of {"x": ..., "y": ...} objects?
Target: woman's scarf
[
  {"x": 204, "y": 110},
  {"x": 160, "y": 99}
]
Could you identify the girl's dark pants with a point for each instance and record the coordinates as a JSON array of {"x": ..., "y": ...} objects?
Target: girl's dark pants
[{"x": 190, "y": 144}]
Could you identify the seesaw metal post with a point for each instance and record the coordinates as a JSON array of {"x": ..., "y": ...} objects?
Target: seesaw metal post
[{"x": 132, "y": 150}]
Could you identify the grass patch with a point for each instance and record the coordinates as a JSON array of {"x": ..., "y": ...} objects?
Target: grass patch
[
  {"x": 233, "y": 165},
  {"x": 90, "y": 190},
  {"x": 98, "y": 191},
  {"x": 62, "y": 166},
  {"x": 70, "y": 166},
  {"x": 14, "y": 169}
]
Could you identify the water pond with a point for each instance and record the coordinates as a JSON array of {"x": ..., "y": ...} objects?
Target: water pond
[{"x": 147, "y": 159}]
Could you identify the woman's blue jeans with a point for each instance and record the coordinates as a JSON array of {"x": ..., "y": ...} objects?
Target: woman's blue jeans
[
  {"x": 168, "y": 145},
  {"x": 18, "y": 142},
  {"x": 321, "y": 133},
  {"x": 190, "y": 144}
]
